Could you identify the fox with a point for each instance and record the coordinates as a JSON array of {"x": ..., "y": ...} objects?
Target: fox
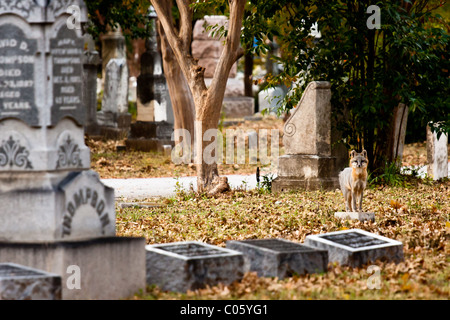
[{"x": 353, "y": 181}]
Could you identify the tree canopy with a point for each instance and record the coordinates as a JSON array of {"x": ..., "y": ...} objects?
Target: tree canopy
[{"x": 405, "y": 61}]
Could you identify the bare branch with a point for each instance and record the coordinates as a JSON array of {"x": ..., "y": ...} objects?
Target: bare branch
[
  {"x": 186, "y": 14},
  {"x": 180, "y": 47},
  {"x": 231, "y": 50}
]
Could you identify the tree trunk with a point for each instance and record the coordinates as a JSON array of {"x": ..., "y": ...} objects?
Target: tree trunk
[
  {"x": 248, "y": 71},
  {"x": 207, "y": 101},
  {"x": 180, "y": 93}
]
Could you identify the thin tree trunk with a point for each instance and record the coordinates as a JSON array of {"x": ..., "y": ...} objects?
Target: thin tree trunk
[{"x": 180, "y": 93}]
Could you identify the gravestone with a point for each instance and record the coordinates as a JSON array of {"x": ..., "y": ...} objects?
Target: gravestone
[
  {"x": 18, "y": 282},
  {"x": 113, "y": 47},
  {"x": 308, "y": 162},
  {"x": 190, "y": 265},
  {"x": 270, "y": 98},
  {"x": 50, "y": 202},
  {"x": 154, "y": 123},
  {"x": 437, "y": 155},
  {"x": 91, "y": 61},
  {"x": 114, "y": 118},
  {"x": 356, "y": 247},
  {"x": 208, "y": 49},
  {"x": 280, "y": 258}
]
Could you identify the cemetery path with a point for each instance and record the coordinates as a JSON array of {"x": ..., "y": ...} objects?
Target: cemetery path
[{"x": 142, "y": 188}]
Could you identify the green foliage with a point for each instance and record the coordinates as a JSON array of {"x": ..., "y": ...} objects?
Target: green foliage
[
  {"x": 265, "y": 186},
  {"x": 389, "y": 175},
  {"x": 131, "y": 15},
  {"x": 371, "y": 70}
]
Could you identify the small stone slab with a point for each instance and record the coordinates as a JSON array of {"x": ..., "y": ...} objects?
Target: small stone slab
[
  {"x": 280, "y": 258},
  {"x": 18, "y": 282},
  {"x": 190, "y": 265},
  {"x": 356, "y": 247},
  {"x": 144, "y": 205},
  {"x": 361, "y": 216}
]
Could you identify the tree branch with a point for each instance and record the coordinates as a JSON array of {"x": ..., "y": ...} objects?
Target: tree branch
[
  {"x": 186, "y": 14},
  {"x": 180, "y": 47},
  {"x": 231, "y": 50}
]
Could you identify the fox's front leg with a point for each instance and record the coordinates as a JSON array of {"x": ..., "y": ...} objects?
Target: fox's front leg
[
  {"x": 354, "y": 199},
  {"x": 348, "y": 200},
  {"x": 360, "y": 202}
]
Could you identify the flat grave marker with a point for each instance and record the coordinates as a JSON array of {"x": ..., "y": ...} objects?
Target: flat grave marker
[
  {"x": 182, "y": 266},
  {"x": 356, "y": 247},
  {"x": 361, "y": 216},
  {"x": 280, "y": 258},
  {"x": 18, "y": 282}
]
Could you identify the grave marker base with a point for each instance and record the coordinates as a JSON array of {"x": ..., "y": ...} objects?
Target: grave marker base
[
  {"x": 110, "y": 267},
  {"x": 361, "y": 216}
]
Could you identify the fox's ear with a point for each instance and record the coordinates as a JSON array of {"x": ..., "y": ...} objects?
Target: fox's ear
[
  {"x": 352, "y": 154},
  {"x": 364, "y": 153}
]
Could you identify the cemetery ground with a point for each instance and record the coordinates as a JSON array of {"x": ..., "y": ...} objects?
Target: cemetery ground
[{"x": 408, "y": 209}]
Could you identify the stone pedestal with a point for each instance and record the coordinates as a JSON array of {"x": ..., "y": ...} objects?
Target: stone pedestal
[
  {"x": 52, "y": 207},
  {"x": 361, "y": 216},
  {"x": 308, "y": 162},
  {"x": 104, "y": 268},
  {"x": 150, "y": 136}
]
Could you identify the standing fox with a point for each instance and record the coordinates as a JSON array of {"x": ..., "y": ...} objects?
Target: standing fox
[{"x": 353, "y": 181}]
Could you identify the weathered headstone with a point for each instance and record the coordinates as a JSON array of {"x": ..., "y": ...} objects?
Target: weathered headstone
[
  {"x": 207, "y": 49},
  {"x": 50, "y": 202},
  {"x": 114, "y": 118},
  {"x": 280, "y": 258},
  {"x": 18, "y": 282},
  {"x": 356, "y": 247},
  {"x": 270, "y": 98},
  {"x": 308, "y": 162},
  {"x": 437, "y": 155},
  {"x": 182, "y": 266},
  {"x": 113, "y": 47}
]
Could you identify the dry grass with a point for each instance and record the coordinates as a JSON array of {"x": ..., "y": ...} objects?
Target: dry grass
[{"x": 418, "y": 216}]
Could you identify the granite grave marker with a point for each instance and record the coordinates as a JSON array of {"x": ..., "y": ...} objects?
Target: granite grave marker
[
  {"x": 280, "y": 258},
  {"x": 356, "y": 247},
  {"x": 182, "y": 266}
]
